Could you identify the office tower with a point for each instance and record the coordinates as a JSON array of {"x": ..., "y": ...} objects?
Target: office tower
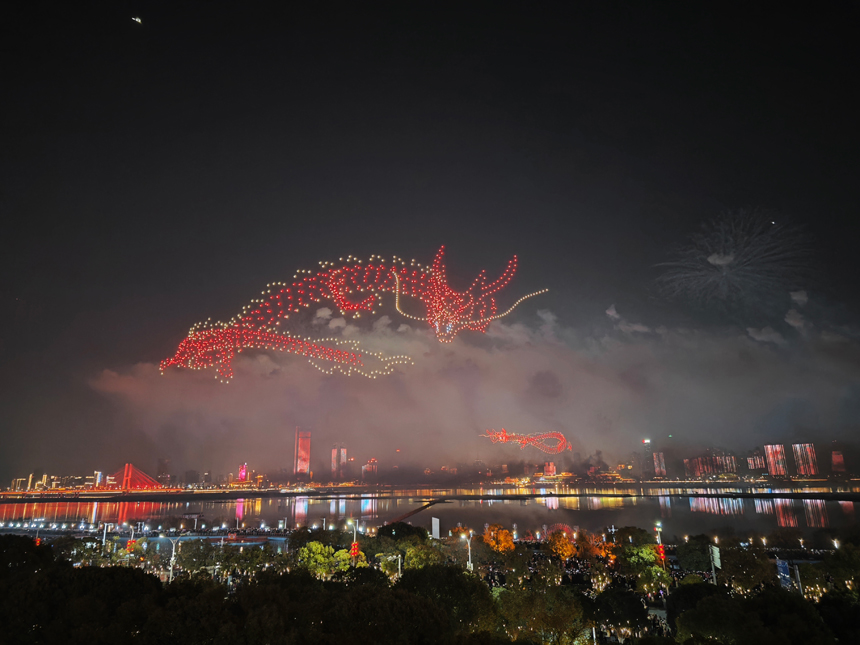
[
  {"x": 775, "y": 454},
  {"x": 756, "y": 462},
  {"x": 659, "y": 464},
  {"x": 243, "y": 473},
  {"x": 549, "y": 469},
  {"x": 302, "y": 454},
  {"x": 163, "y": 474},
  {"x": 804, "y": 458},
  {"x": 837, "y": 462},
  {"x": 370, "y": 470},
  {"x": 207, "y": 477},
  {"x": 338, "y": 461}
]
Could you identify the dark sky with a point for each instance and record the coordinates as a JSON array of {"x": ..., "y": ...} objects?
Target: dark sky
[{"x": 156, "y": 174}]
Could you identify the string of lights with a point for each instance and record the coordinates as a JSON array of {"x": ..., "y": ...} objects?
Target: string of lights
[
  {"x": 353, "y": 286},
  {"x": 548, "y": 442}
]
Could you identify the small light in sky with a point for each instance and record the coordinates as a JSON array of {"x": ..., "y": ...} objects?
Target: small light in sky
[{"x": 137, "y": 20}]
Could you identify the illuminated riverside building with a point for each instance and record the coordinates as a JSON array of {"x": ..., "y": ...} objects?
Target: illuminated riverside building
[
  {"x": 659, "y": 465},
  {"x": 804, "y": 458},
  {"x": 710, "y": 465},
  {"x": 338, "y": 461},
  {"x": 775, "y": 454},
  {"x": 302, "y": 455},
  {"x": 837, "y": 462},
  {"x": 243, "y": 473},
  {"x": 756, "y": 462},
  {"x": 370, "y": 470}
]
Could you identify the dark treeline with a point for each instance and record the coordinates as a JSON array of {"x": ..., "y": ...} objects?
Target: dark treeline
[{"x": 403, "y": 587}]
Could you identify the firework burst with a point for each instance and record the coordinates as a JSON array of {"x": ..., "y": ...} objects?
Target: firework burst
[{"x": 742, "y": 260}]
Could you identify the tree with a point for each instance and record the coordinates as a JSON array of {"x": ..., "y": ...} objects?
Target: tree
[
  {"x": 422, "y": 555},
  {"x": 687, "y": 597},
  {"x": 773, "y": 617},
  {"x": 319, "y": 560},
  {"x": 745, "y": 568},
  {"x": 693, "y": 553},
  {"x": 561, "y": 546},
  {"x": 498, "y": 538},
  {"x": 633, "y": 536},
  {"x": 554, "y": 615},
  {"x": 635, "y": 559},
  {"x": 468, "y": 601},
  {"x": 401, "y": 530},
  {"x": 621, "y": 611}
]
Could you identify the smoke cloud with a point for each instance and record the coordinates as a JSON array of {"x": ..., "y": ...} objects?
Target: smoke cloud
[{"x": 605, "y": 389}]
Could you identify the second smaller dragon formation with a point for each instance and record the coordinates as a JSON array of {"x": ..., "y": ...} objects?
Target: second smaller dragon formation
[{"x": 548, "y": 442}]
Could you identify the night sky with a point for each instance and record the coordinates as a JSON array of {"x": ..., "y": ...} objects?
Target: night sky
[{"x": 159, "y": 173}]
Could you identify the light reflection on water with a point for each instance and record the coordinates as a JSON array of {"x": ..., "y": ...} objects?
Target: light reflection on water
[{"x": 593, "y": 510}]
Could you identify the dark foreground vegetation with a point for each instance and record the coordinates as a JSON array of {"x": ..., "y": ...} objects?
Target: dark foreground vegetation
[{"x": 563, "y": 590}]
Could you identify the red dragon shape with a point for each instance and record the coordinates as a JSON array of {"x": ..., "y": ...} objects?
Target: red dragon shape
[{"x": 353, "y": 286}]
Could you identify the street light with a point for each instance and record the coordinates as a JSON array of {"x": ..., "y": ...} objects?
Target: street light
[
  {"x": 836, "y": 544},
  {"x": 469, "y": 543},
  {"x": 173, "y": 541}
]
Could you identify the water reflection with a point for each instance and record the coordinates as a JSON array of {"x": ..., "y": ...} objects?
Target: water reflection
[{"x": 593, "y": 509}]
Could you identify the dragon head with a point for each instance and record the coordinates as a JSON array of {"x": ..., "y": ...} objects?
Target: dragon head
[{"x": 449, "y": 311}]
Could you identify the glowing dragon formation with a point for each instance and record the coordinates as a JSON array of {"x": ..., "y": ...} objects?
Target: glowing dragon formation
[
  {"x": 353, "y": 286},
  {"x": 549, "y": 442}
]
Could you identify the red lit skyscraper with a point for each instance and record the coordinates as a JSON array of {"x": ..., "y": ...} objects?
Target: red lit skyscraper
[
  {"x": 804, "y": 457},
  {"x": 837, "y": 461},
  {"x": 243, "y": 473},
  {"x": 338, "y": 461},
  {"x": 659, "y": 464},
  {"x": 302, "y": 458},
  {"x": 775, "y": 454}
]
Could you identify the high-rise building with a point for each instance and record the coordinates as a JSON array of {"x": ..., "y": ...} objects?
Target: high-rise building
[
  {"x": 659, "y": 465},
  {"x": 243, "y": 473},
  {"x": 549, "y": 469},
  {"x": 775, "y": 454},
  {"x": 302, "y": 455},
  {"x": 370, "y": 470},
  {"x": 804, "y": 458},
  {"x": 837, "y": 462},
  {"x": 338, "y": 462},
  {"x": 756, "y": 461},
  {"x": 192, "y": 477},
  {"x": 163, "y": 474}
]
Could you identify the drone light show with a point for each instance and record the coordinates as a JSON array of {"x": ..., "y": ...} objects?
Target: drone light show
[
  {"x": 354, "y": 286},
  {"x": 548, "y": 442}
]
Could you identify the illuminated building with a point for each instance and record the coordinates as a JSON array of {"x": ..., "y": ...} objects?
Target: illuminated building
[
  {"x": 338, "y": 461},
  {"x": 804, "y": 457},
  {"x": 647, "y": 457},
  {"x": 756, "y": 461},
  {"x": 302, "y": 454},
  {"x": 717, "y": 464},
  {"x": 549, "y": 469},
  {"x": 163, "y": 472},
  {"x": 775, "y": 454},
  {"x": 353, "y": 286},
  {"x": 370, "y": 470},
  {"x": 659, "y": 465},
  {"x": 837, "y": 462},
  {"x": 243, "y": 473}
]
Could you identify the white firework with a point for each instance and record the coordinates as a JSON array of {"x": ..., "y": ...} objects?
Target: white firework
[{"x": 742, "y": 259}]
